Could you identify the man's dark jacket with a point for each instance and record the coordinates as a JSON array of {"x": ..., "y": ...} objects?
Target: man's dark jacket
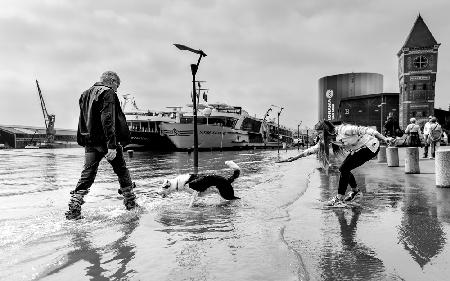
[{"x": 102, "y": 121}]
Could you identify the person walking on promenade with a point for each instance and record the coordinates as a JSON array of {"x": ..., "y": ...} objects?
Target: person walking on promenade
[
  {"x": 389, "y": 126},
  {"x": 426, "y": 132},
  {"x": 434, "y": 137},
  {"x": 102, "y": 130},
  {"x": 362, "y": 143},
  {"x": 413, "y": 132}
]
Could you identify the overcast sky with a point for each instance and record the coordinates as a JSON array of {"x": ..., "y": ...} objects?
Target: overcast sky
[{"x": 260, "y": 52}]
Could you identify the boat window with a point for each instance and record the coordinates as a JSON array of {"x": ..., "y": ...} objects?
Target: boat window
[
  {"x": 144, "y": 126},
  {"x": 251, "y": 125},
  {"x": 136, "y": 126},
  {"x": 186, "y": 120}
]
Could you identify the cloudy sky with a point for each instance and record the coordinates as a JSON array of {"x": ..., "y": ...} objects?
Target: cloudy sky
[{"x": 260, "y": 52}]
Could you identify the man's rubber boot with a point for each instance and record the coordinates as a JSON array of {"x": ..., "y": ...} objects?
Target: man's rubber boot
[
  {"x": 129, "y": 199},
  {"x": 76, "y": 200}
]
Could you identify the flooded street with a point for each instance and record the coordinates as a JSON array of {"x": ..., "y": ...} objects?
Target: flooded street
[
  {"x": 214, "y": 240},
  {"x": 279, "y": 230}
]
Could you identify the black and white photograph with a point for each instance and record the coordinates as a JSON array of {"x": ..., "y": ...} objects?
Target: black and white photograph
[{"x": 218, "y": 140}]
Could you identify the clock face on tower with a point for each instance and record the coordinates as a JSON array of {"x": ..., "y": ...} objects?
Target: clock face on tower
[{"x": 420, "y": 62}]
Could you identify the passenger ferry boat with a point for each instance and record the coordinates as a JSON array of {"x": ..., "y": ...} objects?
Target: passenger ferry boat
[
  {"x": 224, "y": 127},
  {"x": 144, "y": 126}
]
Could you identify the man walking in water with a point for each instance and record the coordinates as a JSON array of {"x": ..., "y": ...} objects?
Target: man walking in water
[{"x": 102, "y": 130}]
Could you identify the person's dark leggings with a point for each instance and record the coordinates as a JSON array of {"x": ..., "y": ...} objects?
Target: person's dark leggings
[
  {"x": 351, "y": 162},
  {"x": 92, "y": 159}
]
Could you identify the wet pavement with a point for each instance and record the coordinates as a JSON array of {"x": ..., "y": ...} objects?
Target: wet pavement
[
  {"x": 279, "y": 230},
  {"x": 401, "y": 230}
]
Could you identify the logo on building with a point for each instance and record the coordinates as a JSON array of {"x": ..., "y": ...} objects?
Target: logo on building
[
  {"x": 329, "y": 94},
  {"x": 330, "y": 105}
]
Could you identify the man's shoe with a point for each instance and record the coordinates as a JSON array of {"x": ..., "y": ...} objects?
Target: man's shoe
[
  {"x": 73, "y": 215},
  {"x": 335, "y": 202},
  {"x": 76, "y": 200},
  {"x": 353, "y": 195},
  {"x": 129, "y": 199}
]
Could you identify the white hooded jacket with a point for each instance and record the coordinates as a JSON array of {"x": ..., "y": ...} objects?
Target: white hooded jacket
[{"x": 352, "y": 138}]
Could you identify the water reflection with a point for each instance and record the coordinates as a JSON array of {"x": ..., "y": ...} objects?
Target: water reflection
[
  {"x": 196, "y": 234},
  {"x": 443, "y": 204},
  {"x": 85, "y": 250},
  {"x": 208, "y": 220},
  {"x": 343, "y": 256},
  {"x": 49, "y": 169},
  {"x": 420, "y": 233},
  {"x": 351, "y": 260}
]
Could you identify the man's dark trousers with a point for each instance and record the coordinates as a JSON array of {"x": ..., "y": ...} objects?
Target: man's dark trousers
[{"x": 93, "y": 156}]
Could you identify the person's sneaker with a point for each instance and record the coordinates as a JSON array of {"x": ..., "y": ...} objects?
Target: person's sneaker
[
  {"x": 335, "y": 202},
  {"x": 353, "y": 195}
]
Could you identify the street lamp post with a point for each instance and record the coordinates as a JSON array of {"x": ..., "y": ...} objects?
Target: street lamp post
[
  {"x": 307, "y": 139},
  {"x": 382, "y": 112},
  {"x": 298, "y": 135},
  {"x": 194, "y": 68},
  {"x": 265, "y": 135},
  {"x": 278, "y": 127}
]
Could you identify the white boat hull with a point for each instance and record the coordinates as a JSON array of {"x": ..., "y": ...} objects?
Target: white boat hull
[{"x": 209, "y": 136}]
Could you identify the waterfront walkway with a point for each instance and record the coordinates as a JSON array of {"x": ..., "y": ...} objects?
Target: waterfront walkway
[{"x": 400, "y": 232}]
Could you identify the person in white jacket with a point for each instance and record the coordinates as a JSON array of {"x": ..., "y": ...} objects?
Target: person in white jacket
[
  {"x": 426, "y": 132},
  {"x": 361, "y": 144}
]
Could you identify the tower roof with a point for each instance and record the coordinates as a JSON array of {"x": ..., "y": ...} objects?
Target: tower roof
[{"x": 419, "y": 36}]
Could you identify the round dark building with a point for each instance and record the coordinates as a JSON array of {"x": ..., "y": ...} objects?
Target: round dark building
[{"x": 336, "y": 87}]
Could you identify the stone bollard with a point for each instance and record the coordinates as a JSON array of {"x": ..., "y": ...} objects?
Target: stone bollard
[
  {"x": 412, "y": 160},
  {"x": 442, "y": 168},
  {"x": 392, "y": 156},
  {"x": 130, "y": 153},
  {"x": 382, "y": 154}
]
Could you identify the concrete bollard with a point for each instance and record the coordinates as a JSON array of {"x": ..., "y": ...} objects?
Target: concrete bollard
[
  {"x": 130, "y": 153},
  {"x": 392, "y": 156},
  {"x": 412, "y": 160},
  {"x": 382, "y": 154},
  {"x": 442, "y": 168}
]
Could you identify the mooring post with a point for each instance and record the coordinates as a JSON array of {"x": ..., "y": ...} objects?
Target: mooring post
[
  {"x": 392, "y": 156},
  {"x": 412, "y": 160},
  {"x": 442, "y": 168},
  {"x": 382, "y": 154}
]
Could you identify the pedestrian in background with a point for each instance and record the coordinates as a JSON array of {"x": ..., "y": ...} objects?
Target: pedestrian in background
[
  {"x": 434, "y": 137},
  {"x": 102, "y": 130},
  {"x": 413, "y": 132},
  {"x": 426, "y": 132},
  {"x": 389, "y": 127}
]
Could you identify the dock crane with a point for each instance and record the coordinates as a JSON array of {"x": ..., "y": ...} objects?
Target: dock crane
[{"x": 48, "y": 118}]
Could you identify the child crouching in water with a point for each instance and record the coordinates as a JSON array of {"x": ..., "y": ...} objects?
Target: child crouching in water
[{"x": 362, "y": 144}]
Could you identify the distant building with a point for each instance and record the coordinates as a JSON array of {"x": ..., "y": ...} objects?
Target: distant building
[
  {"x": 417, "y": 68},
  {"x": 358, "y": 98},
  {"x": 21, "y": 136},
  {"x": 369, "y": 110},
  {"x": 336, "y": 87}
]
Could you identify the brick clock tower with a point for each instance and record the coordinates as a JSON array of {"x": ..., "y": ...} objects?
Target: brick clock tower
[{"x": 417, "y": 68}]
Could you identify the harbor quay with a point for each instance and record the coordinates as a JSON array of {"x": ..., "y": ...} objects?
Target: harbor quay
[
  {"x": 278, "y": 230},
  {"x": 399, "y": 231}
]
